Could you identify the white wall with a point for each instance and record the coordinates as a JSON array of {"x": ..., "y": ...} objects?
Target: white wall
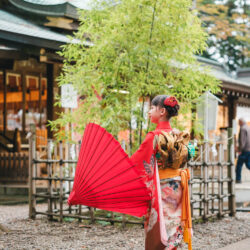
[{"x": 243, "y": 112}]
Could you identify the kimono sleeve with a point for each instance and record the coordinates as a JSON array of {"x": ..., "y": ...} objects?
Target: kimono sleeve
[{"x": 144, "y": 152}]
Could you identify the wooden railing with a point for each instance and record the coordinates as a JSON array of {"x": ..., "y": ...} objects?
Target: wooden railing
[
  {"x": 14, "y": 167},
  {"x": 211, "y": 184},
  {"x": 11, "y": 144}
]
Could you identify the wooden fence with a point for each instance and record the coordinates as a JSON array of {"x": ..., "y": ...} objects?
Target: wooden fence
[
  {"x": 211, "y": 185},
  {"x": 14, "y": 167}
]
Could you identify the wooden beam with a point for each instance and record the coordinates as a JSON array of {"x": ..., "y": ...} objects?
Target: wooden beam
[
  {"x": 235, "y": 87},
  {"x": 50, "y": 96},
  {"x": 232, "y": 105},
  {"x": 23, "y": 79},
  {"x": 12, "y": 55},
  {"x": 244, "y": 101},
  {"x": 4, "y": 102}
]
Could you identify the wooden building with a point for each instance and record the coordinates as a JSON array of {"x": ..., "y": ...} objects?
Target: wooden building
[
  {"x": 31, "y": 32},
  {"x": 235, "y": 92}
]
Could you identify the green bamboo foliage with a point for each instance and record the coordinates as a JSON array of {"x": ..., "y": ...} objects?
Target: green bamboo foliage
[{"x": 140, "y": 48}]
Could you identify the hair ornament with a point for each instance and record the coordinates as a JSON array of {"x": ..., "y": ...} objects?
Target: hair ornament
[{"x": 171, "y": 101}]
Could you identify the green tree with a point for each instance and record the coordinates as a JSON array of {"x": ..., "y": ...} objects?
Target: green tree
[
  {"x": 227, "y": 23},
  {"x": 141, "y": 48}
]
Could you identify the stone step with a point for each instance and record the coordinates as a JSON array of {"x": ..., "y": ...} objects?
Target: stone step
[{"x": 245, "y": 174}]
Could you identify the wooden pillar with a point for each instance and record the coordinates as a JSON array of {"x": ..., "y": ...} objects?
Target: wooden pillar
[
  {"x": 40, "y": 100},
  {"x": 50, "y": 96},
  {"x": 32, "y": 172},
  {"x": 232, "y": 105},
  {"x": 4, "y": 102},
  {"x": 23, "y": 77}
]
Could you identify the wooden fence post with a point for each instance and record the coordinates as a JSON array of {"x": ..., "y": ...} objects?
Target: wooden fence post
[
  {"x": 220, "y": 182},
  {"x": 200, "y": 184},
  {"x": 61, "y": 180},
  {"x": 190, "y": 186},
  {"x": 123, "y": 220},
  {"x": 205, "y": 180},
  {"x": 92, "y": 215},
  {"x": 50, "y": 187},
  {"x": 80, "y": 206},
  {"x": 231, "y": 173},
  {"x": 32, "y": 173}
]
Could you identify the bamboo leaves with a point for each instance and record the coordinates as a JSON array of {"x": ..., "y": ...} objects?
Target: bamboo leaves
[{"x": 134, "y": 46}]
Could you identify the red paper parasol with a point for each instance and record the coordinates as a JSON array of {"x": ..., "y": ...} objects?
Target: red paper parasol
[{"x": 106, "y": 178}]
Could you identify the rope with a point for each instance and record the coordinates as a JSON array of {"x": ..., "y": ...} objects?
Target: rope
[{"x": 211, "y": 141}]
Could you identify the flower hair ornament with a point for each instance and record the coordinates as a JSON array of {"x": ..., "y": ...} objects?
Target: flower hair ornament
[{"x": 170, "y": 101}]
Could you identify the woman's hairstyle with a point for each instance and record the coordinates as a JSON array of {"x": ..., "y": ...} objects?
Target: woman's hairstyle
[{"x": 167, "y": 102}]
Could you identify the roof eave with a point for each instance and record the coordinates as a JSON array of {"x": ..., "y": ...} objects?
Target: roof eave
[
  {"x": 29, "y": 40},
  {"x": 235, "y": 87},
  {"x": 62, "y": 10}
]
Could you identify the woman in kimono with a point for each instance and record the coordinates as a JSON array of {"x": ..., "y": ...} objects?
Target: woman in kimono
[{"x": 168, "y": 220}]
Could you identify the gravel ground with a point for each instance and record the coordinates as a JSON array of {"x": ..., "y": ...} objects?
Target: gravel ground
[{"x": 41, "y": 234}]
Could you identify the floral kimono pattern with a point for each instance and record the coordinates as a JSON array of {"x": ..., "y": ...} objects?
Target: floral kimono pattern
[
  {"x": 163, "y": 223},
  {"x": 171, "y": 191}
]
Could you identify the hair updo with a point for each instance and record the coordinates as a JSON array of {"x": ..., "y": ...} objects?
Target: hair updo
[{"x": 159, "y": 101}]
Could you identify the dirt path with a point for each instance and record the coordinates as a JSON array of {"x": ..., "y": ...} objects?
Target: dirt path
[{"x": 41, "y": 234}]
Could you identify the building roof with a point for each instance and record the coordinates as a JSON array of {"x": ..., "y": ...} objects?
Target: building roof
[
  {"x": 238, "y": 84},
  {"x": 53, "y": 7},
  {"x": 82, "y": 4},
  {"x": 240, "y": 80},
  {"x": 16, "y": 29},
  {"x": 46, "y": 2}
]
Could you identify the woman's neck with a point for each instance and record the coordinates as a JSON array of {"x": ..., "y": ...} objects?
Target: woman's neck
[
  {"x": 163, "y": 119},
  {"x": 164, "y": 125}
]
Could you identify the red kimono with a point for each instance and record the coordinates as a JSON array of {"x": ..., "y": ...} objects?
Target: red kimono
[
  {"x": 144, "y": 153},
  {"x": 164, "y": 221}
]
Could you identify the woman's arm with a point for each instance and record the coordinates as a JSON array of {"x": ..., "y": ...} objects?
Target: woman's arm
[{"x": 144, "y": 152}]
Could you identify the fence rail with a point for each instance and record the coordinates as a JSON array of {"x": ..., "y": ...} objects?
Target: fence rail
[{"x": 211, "y": 185}]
